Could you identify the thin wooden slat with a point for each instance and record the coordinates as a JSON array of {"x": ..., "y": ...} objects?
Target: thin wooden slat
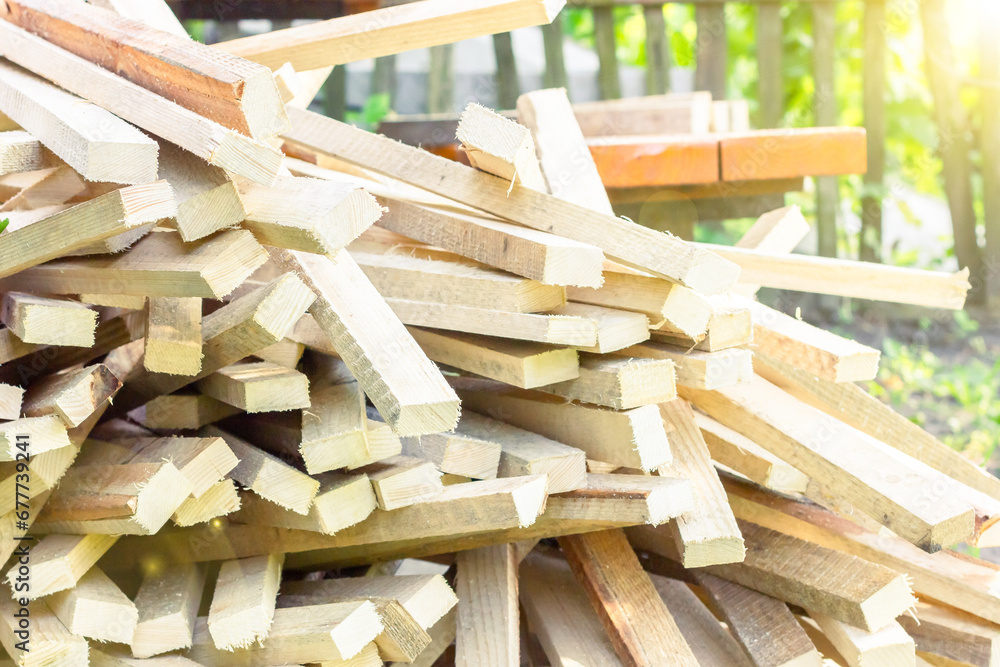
[
  {"x": 207, "y": 199},
  {"x": 19, "y": 151},
  {"x": 621, "y": 383},
  {"x": 499, "y": 146},
  {"x": 258, "y": 386},
  {"x": 487, "y": 623},
  {"x": 243, "y": 601},
  {"x": 168, "y": 604},
  {"x": 96, "y": 608},
  {"x": 46, "y": 321},
  {"x": 173, "y": 335}
]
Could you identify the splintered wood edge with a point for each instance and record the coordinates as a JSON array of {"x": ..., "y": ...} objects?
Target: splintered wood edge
[
  {"x": 715, "y": 551},
  {"x": 529, "y": 500},
  {"x": 890, "y": 601}
]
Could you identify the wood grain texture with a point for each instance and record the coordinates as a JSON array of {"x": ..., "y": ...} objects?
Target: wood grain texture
[
  {"x": 487, "y": 621},
  {"x": 696, "y": 369},
  {"x": 634, "y": 616},
  {"x": 621, "y": 383},
  {"x": 96, "y": 608},
  {"x": 207, "y": 199},
  {"x": 643, "y": 248},
  {"x": 74, "y": 396},
  {"x": 500, "y": 146},
  {"x": 626, "y": 162},
  {"x": 243, "y": 602},
  {"x": 19, "y": 151},
  {"x": 47, "y": 321},
  {"x": 208, "y": 140},
  {"x": 173, "y": 335},
  {"x": 233, "y": 92},
  {"x": 61, "y": 560},
  {"x": 258, "y": 386},
  {"x": 787, "y": 153},
  {"x": 953, "y": 634},
  {"x": 167, "y": 602}
]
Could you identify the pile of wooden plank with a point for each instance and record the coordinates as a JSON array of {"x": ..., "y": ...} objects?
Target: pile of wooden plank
[{"x": 352, "y": 403}]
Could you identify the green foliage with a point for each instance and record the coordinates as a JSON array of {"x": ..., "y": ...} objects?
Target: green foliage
[
  {"x": 375, "y": 109},
  {"x": 4, "y": 223}
]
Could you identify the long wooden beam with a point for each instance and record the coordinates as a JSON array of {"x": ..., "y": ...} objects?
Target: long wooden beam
[{"x": 627, "y": 242}]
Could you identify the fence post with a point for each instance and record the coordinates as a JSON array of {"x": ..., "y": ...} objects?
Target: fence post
[
  {"x": 770, "y": 83},
  {"x": 989, "y": 71},
  {"x": 604, "y": 42},
  {"x": 712, "y": 49},
  {"x": 952, "y": 144},
  {"x": 439, "y": 80},
  {"x": 384, "y": 77},
  {"x": 508, "y": 87},
  {"x": 657, "y": 51},
  {"x": 555, "y": 60},
  {"x": 870, "y": 247},
  {"x": 825, "y": 105}
]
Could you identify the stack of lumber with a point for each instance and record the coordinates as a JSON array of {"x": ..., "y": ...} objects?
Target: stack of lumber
[{"x": 368, "y": 405}]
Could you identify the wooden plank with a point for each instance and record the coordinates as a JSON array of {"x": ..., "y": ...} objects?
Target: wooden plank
[
  {"x": 267, "y": 475},
  {"x": 560, "y": 615},
  {"x": 258, "y": 386},
  {"x": 952, "y": 634},
  {"x": 233, "y": 92},
  {"x": 549, "y": 259},
  {"x": 96, "y": 608},
  {"x": 123, "y": 301},
  {"x": 707, "y": 534},
  {"x": 616, "y": 329},
  {"x": 639, "y": 625},
  {"x": 858, "y": 647},
  {"x": 525, "y": 453},
  {"x": 631, "y": 438},
  {"x": 403, "y": 384},
  {"x": 11, "y": 398},
  {"x": 96, "y": 143},
  {"x": 243, "y": 602},
  {"x": 285, "y": 352},
  {"x": 711, "y": 643},
  {"x": 126, "y": 499},
  {"x": 307, "y": 214},
  {"x": 210, "y": 141},
  {"x": 168, "y": 605},
  {"x": 697, "y": 369},
  {"x": 399, "y": 28},
  {"x": 221, "y": 499},
  {"x": 457, "y": 454},
  {"x": 158, "y": 265},
  {"x": 458, "y": 283},
  {"x": 43, "y": 434},
  {"x": 792, "y": 152},
  {"x": 203, "y": 461},
  {"x": 297, "y": 635},
  {"x": 682, "y": 308},
  {"x": 570, "y": 330},
  {"x": 764, "y": 627},
  {"x": 500, "y": 146},
  {"x": 774, "y": 420},
  {"x": 945, "y": 576},
  {"x": 638, "y": 499},
  {"x": 48, "y": 187},
  {"x": 487, "y": 622},
  {"x": 342, "y": 501},
  {"x": 519, "y": 364},
  {"x": 740, "y": 453},
  {"x": 627, "y": 242},
  {"x": 74, "y": 396},
  {"x": 181, "y": 411},
  {"x": 207, "y": 200},
  {"x": 46, "y": 321},
  {"x": 59, "y": 561},
  {"x": 173, "y": 336},
  {"x": 842, "y": 277},
  {"x": 817, "y": 351},
  {"x": 621, "y": 383},
  {"x": 401, "y": 481},
  {"x": 654, "y": 161},
  {"x": 19, "y": 151},
  {"x": 562, "y": 149},
  {"x": 86, "y": 223},
  {"x": 48, "y": 636}
]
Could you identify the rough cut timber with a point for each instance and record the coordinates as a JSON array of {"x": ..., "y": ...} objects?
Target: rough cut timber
[
  {"x": 333, "y": 431},
  {"x": 400, "y": 481},
  {"x": 388, "y": 31},
  {"x": 74, "y": 395},
  {"x": 730, "y": 325},
  {"x": 672, "y": 113},
  {"x": 76, "y": 227},
  {"x": 49, "y": 637},
  {"x": 457, "y": 454},
  {"x": 173, "y": 335},
  {"x": 953, "y": 634},
  {"x": 616, "y": 329},
  {"x": 636, "y": 620},
  {"x": 618, "y": 382},
  {"x": 570, "y": 330},
  {"x": 235, "y": 93},
  {"x": 59, "y": 561},
  {"x": 697, "y": 369},
  {"x": 44, "y": 434},
  {"x": 306, "y": 634},
  {"x": 624, "y": 241},
  {"x": 526, "y": 453},
  {"x": 11, "y": 398},
  {"x": 630, "y": 438},
  {"x": 96, "y": 608},
  {"x": 562, "y": 150},
  {"x": 844, "y": 277},
  {"x": 655, "y": 161},
  {"x": 787, "y": 153},
  {"x": 401, "y": 382},
  {"x": 96, "y": 143},
  {"x": 207, "y": 200},
  {"x": 19, "y": 151},
  {"x": 516, "y": 363},
  {"x": 888, "y": 645},
  {"x": 181, "y": 411},
  {"x": 48, "y": 321},
  {"x": 637, "y": 499},
  {"x": 487, "y": 622},
  {"x": 847, "y": 463},
  {"x": 501, "y": 147},
  {"x": 203, "y": 461},
  {"x": 167, "y": 602},
  {"x": 780, "y": 230},
  {"x": 549, "y": 259},
  {"x": 307, "y": 214},
  {"x": 258, "y": 386},
  {"x": 764, "y": 627},
  {"x": 459, "y": 283},
  {"x": 243, "y": 602},
  {"x": 210, "y": 141},
  {"x": 46, "y": 187},
  {"x": 158, "y": 265}
]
